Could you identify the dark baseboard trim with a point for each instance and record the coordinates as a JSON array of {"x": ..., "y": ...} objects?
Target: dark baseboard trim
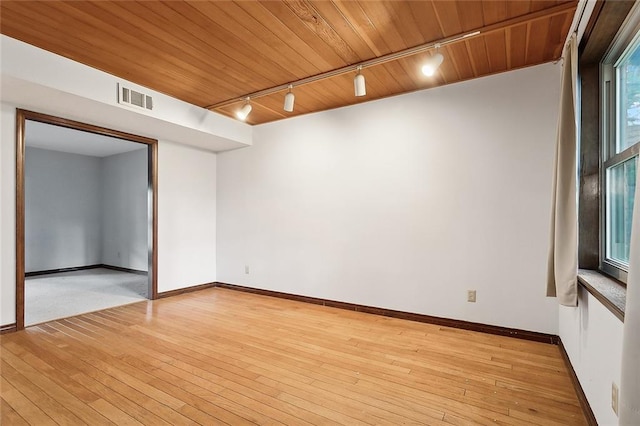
[
  {"x": 584, "y": 403},
  {"x": 9, "y": 328},
  {"x": 82, "y": 268},
  {"x": 121, "y": 269},
  {"x": 55, "y": 271},
  {"x": 178, "y": 291},
  {"x": 446, "y": 322}
]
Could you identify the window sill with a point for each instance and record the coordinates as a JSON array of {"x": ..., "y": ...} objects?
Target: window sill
[{"x": 610, "y": 292}]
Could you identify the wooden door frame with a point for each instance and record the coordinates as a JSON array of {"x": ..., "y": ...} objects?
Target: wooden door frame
[{"x": 21, "y": 118}]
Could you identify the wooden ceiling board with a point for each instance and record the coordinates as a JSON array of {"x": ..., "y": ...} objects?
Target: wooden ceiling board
[
  {"x": 213, "y": 43},
  {"x": 425, "y": 16},
  {"x": 471, "y": 15},
  {"x": 494, "y": 11},
  {"x": 410, "y": 30},
  {"x": 236, "y": 19},
  {"x": 285, "y": 35},
  {"x": 536, "y": 41},
  {"x": 181, "y": 51},
  {"x": 40, "y": 33},
  {"x": 210, "y": 52},
  {"x": 343, "y": 27},
  {"x": 518, "y": 8},
  {"x": 354, "y": 12},
  {"x": 313, "y": 39},
  {"x": 384, "y": 22},
  {"x": 460, "y": 57},
  {"x": 517, "y": 42},
  {"x": 497, "y": 50},
  {"x": 477, "y": 51},
  {"x": 555, "y": 39}
]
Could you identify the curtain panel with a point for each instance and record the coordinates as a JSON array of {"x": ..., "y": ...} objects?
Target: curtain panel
[{"x": 562, "y": 273}]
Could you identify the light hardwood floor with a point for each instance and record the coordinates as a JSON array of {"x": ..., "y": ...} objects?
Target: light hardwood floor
[{"x": 219, "y": 356}]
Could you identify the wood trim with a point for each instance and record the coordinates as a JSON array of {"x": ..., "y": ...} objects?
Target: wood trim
[
  {"x": 59, "y": 270},
  {"x": 121, "y": 269},
  {"x": 191, "y": 289},
  {"x": 71, "y": 124},
  {"x": 584, "y": 402},
  {"x": 602, "y": 298},
  {"x": 595, "y": 14},
  {"x": 446, "y": 322},
  {"x": 8, "y": 328},
  {"x": 604, "y": 24},
  {"x": 153, "y": 183},
  {"x": 21, "y": 117}
]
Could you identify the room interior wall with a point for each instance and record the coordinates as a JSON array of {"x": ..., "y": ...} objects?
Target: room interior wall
[
  {"x": 186, "y": 216},
  {"x": 83, "y": 210},
  {"x": 592, "y": 337},
  {"x": 63, "y": 214},
  {"x": 403, "y": 203},
  {"x": 124, "y": 189},
  {"x": 8, "y": 215}
]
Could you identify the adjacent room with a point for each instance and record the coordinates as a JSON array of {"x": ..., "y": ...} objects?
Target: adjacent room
[
  {"x": 320, "y": 212},
  {"x": 86, "y": 222}
]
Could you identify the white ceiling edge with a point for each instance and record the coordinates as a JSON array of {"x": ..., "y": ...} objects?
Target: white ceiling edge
[
  {"x": 64, "y": 139},
  {"x": 35, "y": 97}
]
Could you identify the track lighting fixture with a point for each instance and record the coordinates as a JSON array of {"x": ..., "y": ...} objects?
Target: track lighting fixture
[
  {"x": 245, "y": 110},
  {"x": 359, "y": 84},
  {"x": 433, "y": 63},
  {"x": 289, "y": 99}
]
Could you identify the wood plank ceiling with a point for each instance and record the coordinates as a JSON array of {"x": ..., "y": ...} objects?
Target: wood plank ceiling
[{"x": 209, "y": 52}]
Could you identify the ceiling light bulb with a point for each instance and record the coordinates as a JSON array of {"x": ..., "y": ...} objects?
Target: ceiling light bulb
[
  {"x": 244, "y": 111},
  {"x": 432, "y": 64},
  {"x": 289, "y": 100},
  {"x": 359, "y": 84}
]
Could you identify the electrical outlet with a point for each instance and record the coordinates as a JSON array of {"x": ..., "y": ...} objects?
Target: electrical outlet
[
  {"x": 471, "y": 296},
  {"x": 246, "y": 269},
  {"x": 614, "y": 397}
]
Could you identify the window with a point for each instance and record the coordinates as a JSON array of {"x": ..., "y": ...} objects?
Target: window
[{"x": 621, "y": 138}]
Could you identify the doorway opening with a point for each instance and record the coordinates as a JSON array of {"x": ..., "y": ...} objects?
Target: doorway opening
[{"x": 86, "y": 218}]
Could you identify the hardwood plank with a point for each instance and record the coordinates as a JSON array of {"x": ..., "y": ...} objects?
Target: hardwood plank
[
  {"x": 21, "y": 406},
  {"x": 45, "y": 402},
  {"x": 219, "y": 356},
  {"x": 9, "y": 416}
]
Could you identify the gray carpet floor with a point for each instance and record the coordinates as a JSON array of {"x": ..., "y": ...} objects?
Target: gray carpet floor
[{"x": 54, "y": 296}]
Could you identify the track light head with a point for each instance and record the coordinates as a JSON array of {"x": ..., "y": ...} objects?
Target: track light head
[
  {"x": 243, "y": 112},
  {"x": 359, "y": 84},
  {"x": 289, "y": 100},
  {"x": 433, "y": 63}
]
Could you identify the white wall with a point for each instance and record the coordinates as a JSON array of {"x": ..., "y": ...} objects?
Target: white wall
[
  {"x": 403, "y": 203},
  {"x": 63, "y": 215},
  {"x": 592, "y": 337},
  {"x": 186, "y": 216},
  {"x": 8, "y": 214},
  {"x": 124, "y": 192}
]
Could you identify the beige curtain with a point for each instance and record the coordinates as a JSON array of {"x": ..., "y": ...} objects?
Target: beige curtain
[
  {"x": 563, "y": 253},
  {"x": 630, "y": 382}
]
